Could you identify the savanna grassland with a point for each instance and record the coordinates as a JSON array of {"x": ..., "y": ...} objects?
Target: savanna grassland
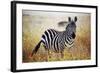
[{"x": 36, "y": 22}]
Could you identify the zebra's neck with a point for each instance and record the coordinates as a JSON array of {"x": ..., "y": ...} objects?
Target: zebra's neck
[{"x": 68, "y": 40}]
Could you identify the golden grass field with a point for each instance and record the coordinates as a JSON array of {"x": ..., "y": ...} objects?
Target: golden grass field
[{"x": 35, "y": 23}]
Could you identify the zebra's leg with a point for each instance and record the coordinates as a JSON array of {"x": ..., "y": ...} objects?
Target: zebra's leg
[
  {"x": 47, "y": 59},
  {"x": 46, "y": 52},
  {"x": 62, "y": 54},
  {"x": 49, "y": 53},
  {"x": 59, "y": 56}
]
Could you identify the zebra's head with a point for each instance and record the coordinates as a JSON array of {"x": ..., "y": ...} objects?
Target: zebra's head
[{"x": 71, "y": 27}]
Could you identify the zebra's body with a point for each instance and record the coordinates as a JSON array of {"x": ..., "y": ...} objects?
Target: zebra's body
[{"x": 56, "y": 40}]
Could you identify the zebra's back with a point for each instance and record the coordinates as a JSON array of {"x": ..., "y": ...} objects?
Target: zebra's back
[
  {"x": 56, "y": 40},
  {"x": 51, "y": 39},
  {"x": 48, "y": 37}
]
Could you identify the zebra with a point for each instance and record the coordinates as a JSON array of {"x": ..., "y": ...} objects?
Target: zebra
[{"x": 58, "y": 40}]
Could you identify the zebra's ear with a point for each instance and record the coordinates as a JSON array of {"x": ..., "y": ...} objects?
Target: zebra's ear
[
  {"x": 69, "y": 19},
  {"x": 75, "y": 19}
]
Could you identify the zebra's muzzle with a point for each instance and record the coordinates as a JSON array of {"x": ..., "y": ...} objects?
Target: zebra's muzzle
[{"x": 73, "y": 35}]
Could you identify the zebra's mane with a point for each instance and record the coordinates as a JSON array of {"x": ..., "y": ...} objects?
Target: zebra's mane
[{"x": 62, "y": 23}]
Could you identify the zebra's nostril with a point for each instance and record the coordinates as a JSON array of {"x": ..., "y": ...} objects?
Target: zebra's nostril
[{"x": 73, "y": 35}]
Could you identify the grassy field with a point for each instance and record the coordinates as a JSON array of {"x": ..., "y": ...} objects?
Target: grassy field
[
  {"x": 35, "y": 25},
  {"x": 80, "y": 51}
]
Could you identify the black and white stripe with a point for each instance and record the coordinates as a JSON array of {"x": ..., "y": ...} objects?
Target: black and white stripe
[{"x": 57, "y": 41}]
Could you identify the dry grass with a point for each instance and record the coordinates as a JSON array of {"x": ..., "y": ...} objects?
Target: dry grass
[{"x": 80, "y": 51}]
